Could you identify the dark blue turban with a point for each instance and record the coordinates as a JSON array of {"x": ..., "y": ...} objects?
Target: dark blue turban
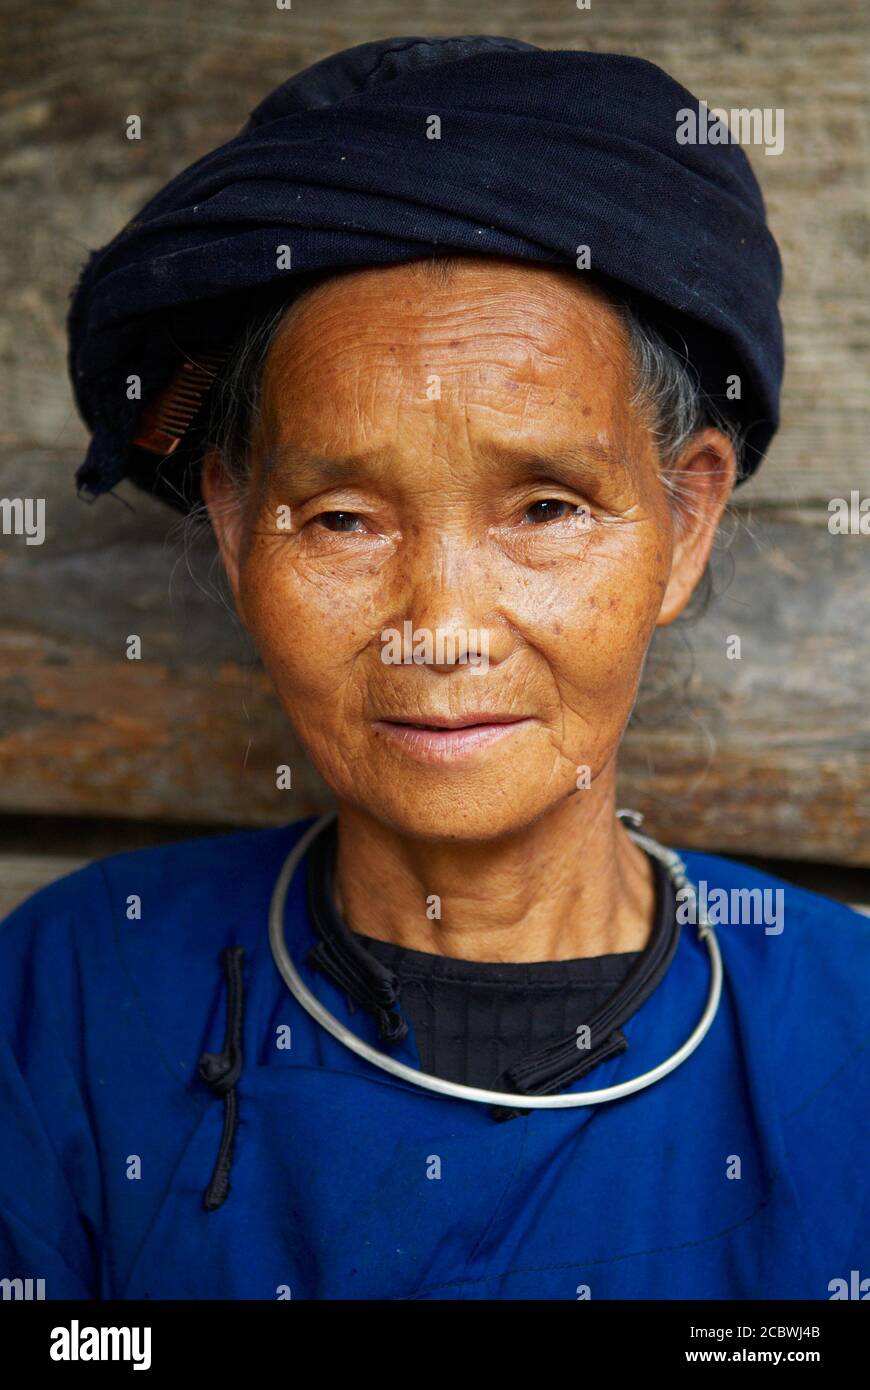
[{"x": 540, "y": 153}]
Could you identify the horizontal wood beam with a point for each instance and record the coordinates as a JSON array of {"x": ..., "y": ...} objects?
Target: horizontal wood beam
[{"x": 765, "y": 755}]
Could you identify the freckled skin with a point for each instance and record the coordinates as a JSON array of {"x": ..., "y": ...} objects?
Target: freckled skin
[{"x": 527, "y": 866}]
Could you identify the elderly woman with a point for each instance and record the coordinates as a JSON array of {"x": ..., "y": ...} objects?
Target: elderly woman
[{"x": 462, "y": 353}]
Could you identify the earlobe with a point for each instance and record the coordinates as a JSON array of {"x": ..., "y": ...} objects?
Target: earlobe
[{"x": 702, "y": 483}]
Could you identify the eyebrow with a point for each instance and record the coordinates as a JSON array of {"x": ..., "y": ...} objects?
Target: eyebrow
[
  {"x": 579, "y": 457},
  {"x": 319, "y": 468}
]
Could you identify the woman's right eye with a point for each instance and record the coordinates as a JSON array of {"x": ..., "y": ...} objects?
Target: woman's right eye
[
  {"x": 337, "y": 521},
  {"x": 551, "y": 512}
]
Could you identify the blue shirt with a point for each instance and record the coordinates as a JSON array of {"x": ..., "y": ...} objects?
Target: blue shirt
[{"x": 742, "y": 1174}]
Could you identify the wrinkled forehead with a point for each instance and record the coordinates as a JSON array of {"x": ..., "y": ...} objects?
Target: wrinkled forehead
[{"x": 509, "y": 347}]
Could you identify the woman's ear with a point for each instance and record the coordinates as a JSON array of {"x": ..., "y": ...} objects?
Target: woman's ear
[
  {"x": 702, "y": 478},
  {"x": 226, "y": 515}
]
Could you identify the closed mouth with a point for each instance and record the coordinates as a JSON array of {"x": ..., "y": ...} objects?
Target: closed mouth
[{"x": 474, "y": 721}]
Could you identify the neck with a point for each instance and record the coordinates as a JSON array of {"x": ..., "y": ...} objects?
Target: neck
[{"x": 571, "y": 884}]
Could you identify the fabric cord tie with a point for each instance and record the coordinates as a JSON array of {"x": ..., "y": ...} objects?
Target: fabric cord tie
[
  {"x": 374, "y": 989},
  {"x": 221, "y": 1070},
  {"x": 344, "y": 960},
  {"x": 535, "y": 1079}
]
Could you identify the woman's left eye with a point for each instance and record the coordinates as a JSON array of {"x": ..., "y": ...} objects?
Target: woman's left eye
[
  {"x": 549, "y": 509},
  {"x": 338, "y": 521}
]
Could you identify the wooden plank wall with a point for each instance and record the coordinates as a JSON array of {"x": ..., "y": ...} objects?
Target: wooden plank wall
[{"x": 767, "y": 755}]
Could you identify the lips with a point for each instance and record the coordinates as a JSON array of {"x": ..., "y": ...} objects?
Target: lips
[
  {"x": 443, "y": 741},
  {"x": 467, "y": 721}
]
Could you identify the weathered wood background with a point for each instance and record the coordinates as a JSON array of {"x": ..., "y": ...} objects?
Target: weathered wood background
[{"x": 767, "y": 755}]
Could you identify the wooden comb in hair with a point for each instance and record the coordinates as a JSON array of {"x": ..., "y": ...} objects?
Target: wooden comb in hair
[{"x": 168, "y": 417}]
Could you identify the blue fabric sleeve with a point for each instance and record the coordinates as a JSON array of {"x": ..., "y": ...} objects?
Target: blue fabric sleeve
[
  {"x": 49, "y": 1168},
  {"x": 828, "y": 1130}
]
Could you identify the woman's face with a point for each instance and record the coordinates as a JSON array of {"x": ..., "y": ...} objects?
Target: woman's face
[{"x": 453, "y": 474}]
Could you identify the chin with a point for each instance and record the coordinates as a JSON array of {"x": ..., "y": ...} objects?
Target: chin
[{"x": 456, "y": 811}]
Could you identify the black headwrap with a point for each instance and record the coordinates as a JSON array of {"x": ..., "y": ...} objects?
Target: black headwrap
[{"x": 540, "y": 153}]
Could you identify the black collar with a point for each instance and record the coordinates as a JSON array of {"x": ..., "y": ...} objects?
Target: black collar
[{"x": 341, "y": 955}]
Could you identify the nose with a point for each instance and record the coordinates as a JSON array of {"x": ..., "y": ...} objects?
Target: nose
[{"x": 451, "y": 604}]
